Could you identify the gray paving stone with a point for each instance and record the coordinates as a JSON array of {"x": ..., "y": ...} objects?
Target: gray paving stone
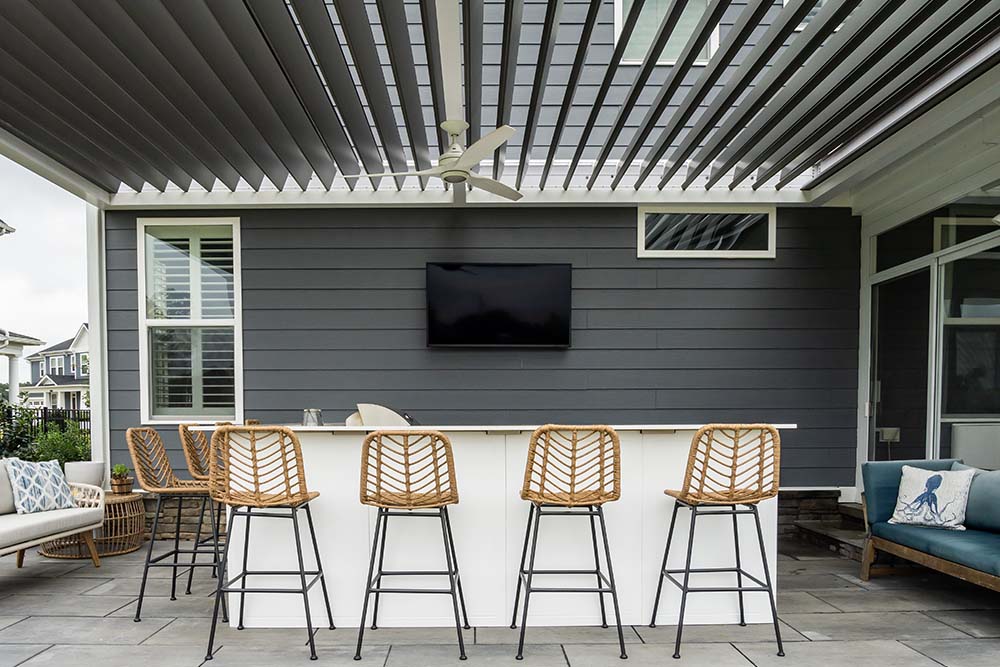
[
  {"x": 708, "y": 634},
  {"x": 115, "y": 570},
  {"x": 39, "y": 566},
  {"x": 801, "y": 602},
  {"x": 12, "y": 585},
  {"x": 62, "y": 605},
  {"x": 184, "y": 606},
  {"x": 815, "y": 582},
  {"x": 870, "y": 625},
  {"x": 118, "y": 656},
  {"x": 384, "y": 636},
  {"x": 961, "y": 652},
  {"x": 11, "y": 655},
  {"x": 884, "y": 653},
  {"x": 9, "y": 620},
  {"x": 920, "y": 578},
  {"x": 489, "y": 655},
  {"x": 201, "y": 586},
  {"x": 556, "y": 635},
  {"x": 909, "y": 600},
  {"x": 976, "y": 623},
  {"x": 73, "y": 630},
  {"x": 818, "y": 566},
  {"x": 656, "y": 655},
  {"x": 194, "y": 631},
  {"x": 804, "y": 551},
  {"x": 234, "y": 656}
]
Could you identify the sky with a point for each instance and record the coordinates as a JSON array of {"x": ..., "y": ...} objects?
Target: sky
[{"x": 43, "y": 279}]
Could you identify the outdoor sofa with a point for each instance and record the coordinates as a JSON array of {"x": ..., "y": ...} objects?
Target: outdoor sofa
[
  {"x": 22, "y": 531},
  {"x": 972, "y": 554}
]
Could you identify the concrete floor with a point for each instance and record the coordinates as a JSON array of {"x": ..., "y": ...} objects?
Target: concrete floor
[{"x": 69, "y": 613}]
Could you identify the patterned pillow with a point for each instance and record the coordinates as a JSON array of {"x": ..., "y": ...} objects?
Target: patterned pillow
[
  {"x": 38, "y": 487},
  {"x": 933, "y": 497}
]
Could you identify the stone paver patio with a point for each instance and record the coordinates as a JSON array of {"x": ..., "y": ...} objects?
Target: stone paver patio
[{"x": 68, "y": 613}]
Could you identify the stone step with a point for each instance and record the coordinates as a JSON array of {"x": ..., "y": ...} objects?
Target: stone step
[
  {"x": 848, "y": 542},
  {"x": 852, "y": 515}
]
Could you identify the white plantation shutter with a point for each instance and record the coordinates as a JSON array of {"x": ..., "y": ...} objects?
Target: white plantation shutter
[{"x": 190, "y": 320}]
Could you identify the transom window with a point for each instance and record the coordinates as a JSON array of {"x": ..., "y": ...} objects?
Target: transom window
[
  {"x": 646, "y": 28},
  {"x": 190, "y": 362},
  {"x": 696, "y": 231}
]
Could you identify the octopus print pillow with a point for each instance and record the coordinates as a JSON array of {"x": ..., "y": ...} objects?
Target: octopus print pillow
[{"x": 933, "y": 497}]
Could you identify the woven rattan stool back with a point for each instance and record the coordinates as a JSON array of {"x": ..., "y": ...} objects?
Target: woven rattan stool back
[
  {"x": 407, "y": 469},
  {"x": 573, "y": 466},
  {"x": 149, "y": 459},
  {"x": 196, "y": 448},
  {"x": 257, "y": 466},
  {"x": 733, "y": 463}
]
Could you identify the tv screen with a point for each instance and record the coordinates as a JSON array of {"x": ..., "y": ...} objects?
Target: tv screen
[{"x": 498, "y": 305}]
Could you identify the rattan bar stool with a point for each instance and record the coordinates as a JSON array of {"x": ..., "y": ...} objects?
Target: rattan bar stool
[
  {"x": 155, "y": 475},
  {"x": 570, "y": 471},
  {"x": 257, "y": 471},
  {"x": 196, "y": 447},
  {"x": 729, "y": 466},
  {"x": 410, "y": 474}
]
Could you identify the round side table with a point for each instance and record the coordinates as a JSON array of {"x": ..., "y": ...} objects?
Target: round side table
[{"x": 122, "y": 532}]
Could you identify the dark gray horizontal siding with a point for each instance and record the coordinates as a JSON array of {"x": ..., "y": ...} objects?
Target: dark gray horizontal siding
[{"x": 334, "y": 315}]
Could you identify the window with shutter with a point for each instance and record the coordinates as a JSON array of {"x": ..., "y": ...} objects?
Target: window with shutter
[{"x": 190, "y": 323}]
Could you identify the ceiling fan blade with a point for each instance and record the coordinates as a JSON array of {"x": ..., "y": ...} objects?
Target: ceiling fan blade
[
  {"x": 484, "y": 148},
  {"x": 451, "y": 57},
  {"x": 494, "y": 187},
  {"x": 433, "y": 171}
]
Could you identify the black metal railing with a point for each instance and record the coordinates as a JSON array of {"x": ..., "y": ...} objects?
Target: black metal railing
[{"x": 30, "y": 423}]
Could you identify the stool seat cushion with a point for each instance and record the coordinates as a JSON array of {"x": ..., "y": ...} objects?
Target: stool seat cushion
[
  {"x": 978, "y": 549},
  {"x": 428, "y": 500},
  {"x": 183, "y": 487},
  {"x": 239, "y": 498},
  {"x": 564, "y": 499},
  {"x": 735, "y": 497}
]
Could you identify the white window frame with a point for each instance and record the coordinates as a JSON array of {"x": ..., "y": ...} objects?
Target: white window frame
[
  {"x": 146, "y": 323},
  {"x": 52, "y": 364},
  {"x": 85, "y": 364},
  {"x": 772, "y": 232},
  {"x": 713, "y": 40},
  {"x": 72, "y": 364}
]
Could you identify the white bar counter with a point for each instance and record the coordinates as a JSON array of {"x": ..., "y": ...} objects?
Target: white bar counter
[{"x": 489, "y": 525}]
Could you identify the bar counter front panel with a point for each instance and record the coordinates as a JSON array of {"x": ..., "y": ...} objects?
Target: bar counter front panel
[{"x": 489, "y": 526}]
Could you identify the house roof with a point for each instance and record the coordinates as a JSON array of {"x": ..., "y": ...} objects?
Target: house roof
[
  {"x": 21, "y": 339},
  {"x": 198, "y": 98},
  {"x": 63, "y": 346},
  {"x": 59, "y": 380}
]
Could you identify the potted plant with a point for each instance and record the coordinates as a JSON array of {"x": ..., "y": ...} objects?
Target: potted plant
[{"x": 121, "y": 482}]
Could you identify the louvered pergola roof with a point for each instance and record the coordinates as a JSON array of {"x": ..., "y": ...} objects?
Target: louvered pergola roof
[{"x": 194, "y": 96}]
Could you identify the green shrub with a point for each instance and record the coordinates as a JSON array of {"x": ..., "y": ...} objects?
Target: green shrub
[{"x": 70, "y": 443}]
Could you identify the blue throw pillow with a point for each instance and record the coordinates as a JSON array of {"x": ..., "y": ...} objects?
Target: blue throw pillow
[
  {"x": 38, "y": 486},
  {"x": 983, "y": 510}
]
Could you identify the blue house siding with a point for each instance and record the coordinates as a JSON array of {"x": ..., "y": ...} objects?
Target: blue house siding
[{"x": 334, "y": 315}]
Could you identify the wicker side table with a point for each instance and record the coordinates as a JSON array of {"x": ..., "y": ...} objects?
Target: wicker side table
[{"x": 122, "y": 532}]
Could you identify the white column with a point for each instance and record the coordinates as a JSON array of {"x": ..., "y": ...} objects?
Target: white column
[
  {"x": 97, "y": 322},
  {"x": 12, "y": 379}
]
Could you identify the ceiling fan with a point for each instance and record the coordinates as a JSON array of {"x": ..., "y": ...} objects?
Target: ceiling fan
[{"x": 455, "y": 166}]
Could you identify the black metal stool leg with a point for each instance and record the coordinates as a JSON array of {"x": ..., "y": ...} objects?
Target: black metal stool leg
[
  {"x": 663, "y": 565},
  {"x": 368, "y": 585},
  {"x": 217, "y": 570},
  {"x": 687, "y": 578},
  {"x": 177, "y": 546},
  {"x": 527, "y": 583},
  {"x": 305, "y": 587},
  {"x": 197, "y": 542},
  {"x": 767, "y": 580},
  {"x": 381, "y": 560},
  {"x": 220, "y": 584},
  {"x": 458, "y": 574},
  {"x": 597, "y": 566},
  {"x": 243, "y": 572},
  {"x": 149, "y": 556},
  {"x": 520, "y": 569},
  {"x": 739, "y": 566},
  {"x": 452, "y": 583},
  {"x": 611, "y": 579},
  {"x": 319, "y": 567}
]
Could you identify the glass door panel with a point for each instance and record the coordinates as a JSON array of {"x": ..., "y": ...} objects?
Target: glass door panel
[
  {"x": 970, "y": 359},
  {"x": 900, "y": 344}
]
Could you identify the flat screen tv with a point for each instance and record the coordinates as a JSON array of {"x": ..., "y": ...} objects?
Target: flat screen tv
[{"x": 498, "y": 305}]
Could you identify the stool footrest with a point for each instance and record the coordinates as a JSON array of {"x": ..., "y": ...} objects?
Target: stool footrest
[
  {"x": 760, "y": 587},
  {"x": 230, "y": 588},
  {"x": 606, "y": 588}
]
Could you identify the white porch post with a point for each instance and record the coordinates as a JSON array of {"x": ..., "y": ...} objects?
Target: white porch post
[
  {"x": 97, "y": 320},
  {"x": 12, "y": 379}
]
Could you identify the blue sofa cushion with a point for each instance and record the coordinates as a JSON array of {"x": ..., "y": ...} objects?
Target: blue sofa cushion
[
  {"x": 977, "y": 549},
  {"x": 881, "y": 482},
  {"x": 983, "y": 510}
]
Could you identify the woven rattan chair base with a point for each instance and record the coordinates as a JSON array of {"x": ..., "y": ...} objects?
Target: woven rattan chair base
[{"x": 124, "y": 523}]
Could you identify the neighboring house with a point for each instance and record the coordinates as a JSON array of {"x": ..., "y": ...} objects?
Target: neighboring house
[
  {"x": 60, "y": 375},
  {"x": 12, "y": 346}
]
